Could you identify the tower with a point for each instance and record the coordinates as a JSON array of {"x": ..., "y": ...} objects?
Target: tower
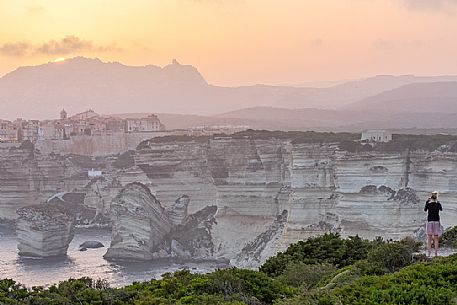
[{"x": 63, "y": 114}]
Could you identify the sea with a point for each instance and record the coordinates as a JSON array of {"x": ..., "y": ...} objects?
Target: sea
[{"x": 45, "y": 272}]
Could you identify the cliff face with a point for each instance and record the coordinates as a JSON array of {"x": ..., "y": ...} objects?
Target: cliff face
[
  {"x": 319, "y": 187},
  {"x": 28, "y": 177},
  {"x": 266, "y": 193},
  {"x": 44, "y": 230}
]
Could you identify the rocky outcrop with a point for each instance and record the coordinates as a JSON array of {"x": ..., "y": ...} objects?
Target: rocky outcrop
[
  {"x": 257, "y": 251},
  {"x": 177, "y": 213},
  {"x": 139, "y": 224},
  {"x": 144, "y": 230},
  {"x": 44, "y": 230},
  {"x": 193, "y": 238},
  {"x": 90, "y": 244}
]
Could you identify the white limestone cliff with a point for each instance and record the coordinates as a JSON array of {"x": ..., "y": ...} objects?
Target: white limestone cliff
[{"x": 249, "y": 182}]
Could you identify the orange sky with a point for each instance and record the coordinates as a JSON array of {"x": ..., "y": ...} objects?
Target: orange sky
[{"x": 236, "y": 42}]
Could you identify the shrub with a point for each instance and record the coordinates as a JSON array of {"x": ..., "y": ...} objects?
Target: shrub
[
  {"x": 328, "y": 248},
  {"x": 301, "y": 274},
  {"x": 391, "y": 256},
  {"x": 422, "y": 283},
  {"x": 411, "y": 243},
  {"x": 248, "y": 283},
  {"x": 449, "y": 237}
]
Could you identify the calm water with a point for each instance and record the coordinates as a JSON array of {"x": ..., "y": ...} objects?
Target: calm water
[{"x": 43, "y": 272}]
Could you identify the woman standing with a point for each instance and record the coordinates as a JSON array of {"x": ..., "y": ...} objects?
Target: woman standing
[{"x": 433, "y": 206}]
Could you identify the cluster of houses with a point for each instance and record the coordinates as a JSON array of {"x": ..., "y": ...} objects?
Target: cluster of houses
[{"x": 87, "y": 123}]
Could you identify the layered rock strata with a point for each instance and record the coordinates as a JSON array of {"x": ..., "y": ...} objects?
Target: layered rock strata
[
  {"x": 250, "y": 182},
  {"x": 139, "y": 224},
  {"x": 263, "y": 246},
  {"x": 44, "y": 230},
  {"x": 177, "y": 213},
  {"x": 144, "y": 230},
  {"x": 192, "y": 239}
]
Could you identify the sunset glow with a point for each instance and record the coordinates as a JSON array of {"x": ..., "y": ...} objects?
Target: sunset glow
[{"x": 239, "y": 41}]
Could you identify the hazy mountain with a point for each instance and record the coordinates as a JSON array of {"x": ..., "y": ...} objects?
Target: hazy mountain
[
  {"x": 80, "y": 83},
  {"x": 434, "y": 97},
  {"x": 300, "y": 118},
  {"x": 290, "y": 119},
  {"x": 311, "y": 119},
  {"x": 260, "y": 118}
]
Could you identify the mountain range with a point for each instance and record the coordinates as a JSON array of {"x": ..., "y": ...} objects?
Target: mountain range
[{"x": 79, "y": 83}]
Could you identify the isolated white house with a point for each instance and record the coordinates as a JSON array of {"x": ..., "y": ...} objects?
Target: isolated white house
[
  {"x": 94, "y": 173},
  {"x": 376, "y": 136}
]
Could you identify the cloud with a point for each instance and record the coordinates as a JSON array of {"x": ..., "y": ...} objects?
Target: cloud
[
  {"x": 15, "y": 49},
  {"x": 67, "y": 45},
  {"x": 72, "y": 44}
]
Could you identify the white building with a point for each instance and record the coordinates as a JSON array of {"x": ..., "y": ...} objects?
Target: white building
[
  {"x": 94, "y": 173},
  {"x": 376, "y": 136}
]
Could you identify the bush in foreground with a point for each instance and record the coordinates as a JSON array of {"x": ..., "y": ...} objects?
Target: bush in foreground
[
  {"x": 328, "y": 249},
  {"x": 422, "y": 283}
]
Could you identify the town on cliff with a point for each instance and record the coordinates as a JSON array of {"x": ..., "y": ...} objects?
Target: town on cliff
[{"x": 87, "y": 123}]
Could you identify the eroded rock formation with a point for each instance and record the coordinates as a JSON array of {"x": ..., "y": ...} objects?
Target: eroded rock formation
[
  {"x": 192, "y": 239},
  {"x": 262, "y": 246},
  {"x": 177, "y": 213},
  {"x": 144, "y": 230},
  {"x": 44, "y": 230},
  {"x": 249, "y": 181},
  {"x": 139, "y": 224}
]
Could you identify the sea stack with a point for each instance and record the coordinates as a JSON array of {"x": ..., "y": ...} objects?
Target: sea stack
[
  {"x": 44, "y": 230},
  {"x": 139, "y": 224}
]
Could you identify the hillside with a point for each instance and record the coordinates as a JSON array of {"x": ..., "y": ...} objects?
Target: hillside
[
  {"x": 80, "y": 83},
  {"x": 436, "y": 97},
  {"x": 272, "y": 118}
]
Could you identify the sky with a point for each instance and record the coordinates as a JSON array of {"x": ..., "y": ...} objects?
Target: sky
[{"x": 239, "y": 42}]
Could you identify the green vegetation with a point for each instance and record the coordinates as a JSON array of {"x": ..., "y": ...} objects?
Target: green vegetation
[
  {"x": 401, "y": 142},
  {"x": 328, "y": 248},
  {"x": 298, "y": 137},
  {"x": 231, "y": 286},
  {"x": 405, "y": 142},
  {"x": 174, "y": 138},
  {"x": 449, "y": 238},
  {"x": 320, "y": 271},
  {"x": 421, "y": 283},
  {"x": 345, "y": 140}
]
